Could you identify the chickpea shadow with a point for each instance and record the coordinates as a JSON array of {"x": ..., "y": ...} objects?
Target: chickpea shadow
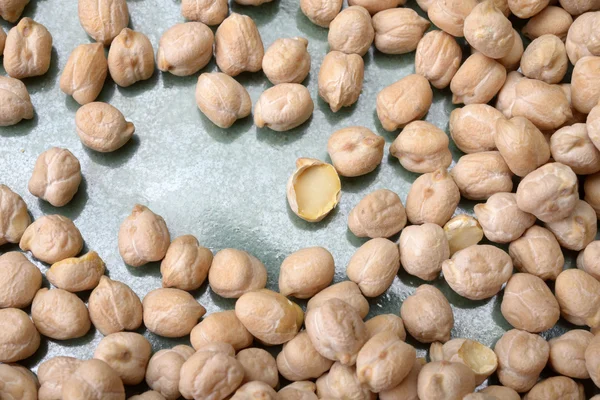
[
  {"x": 228, "y": 135},
  {"x": 117, "y": 158},
  {"x": 409, "y": 280},
  {"x": 402, "y": 172},
  {"x": 221, "y": 302},
  {"x": 139, "y": 87},
  {"x": 261, "y": 15},
  {"x": 360, "y": 183},
  {"x": 278, "y": 139},
  {"x": 37, "y": 357},
  {"x": 173, "y": 81},
  {"x": 335, "y": 117},
  {"x": 86, "y": 339},
  {"x": 108, "y": 90},
  {"x": 248, "y": 79},
  {"x": 497, "y": 312},
  {"x": 46, "y": 82},
  {"x": 387, "y": 135},
  {"x": 311, "y": 30},
  {"x": 151, "y": 269},
  {"x": 355, "y": 240},
  {"x": 73, "y": 209},
  {"x": 24, "y": 127},
  {"x": 395, "y": 62},
  {"x": 310, "y": 226}
]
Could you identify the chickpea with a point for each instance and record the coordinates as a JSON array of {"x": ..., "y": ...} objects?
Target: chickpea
[
  {"x": 300, "y": 390},
  {"x": 478, "y": 272},
  {"x": 479, "y": 358},
  {"x": 582, "y": 39},
  {"x": 103, "y": 20},
  {"x": 19, "y": 280},
  {"x": 93, "y": 380},
  {"x": 340, "y": 79},
  {"x": 445, "y": 380},
  {"x": 17, "y": 382},
  {"x": 404, "y": 101},
  {"x": 578, "y": 229},
  {"x": 299, "y": 360},
  {"x": 437, "y": 58},
  {"x": 222, "y": 99},
  {"x": 501, "y": 219},
  {"x": 223, "y": 327},
  {"x": 449, "y": 15},
  {"x": 341, "y": 382},
  {"x": 235, "y": 272},
  {"x": 186, "y": 264},
  {"x": 171, "y": 312},
  {"x": 56, "y": 176},
  {"x": 545, "y": 59},
  {"x": 572, "y": 146},
  {"x": 527, "y": 8},
  {"x": 584, "y": 81},
  {"x": 575, "y": 7},
  {"x": 508, "y": 94},
  {"x": 106, "y": 316},
  {"x": 77, "y": 274},
  {"x": 351, "y": 31},
  {"x": 555, "y": 388},
  {"x": 427, "y": 315},
  {"x": 85, "y": 72},
  {"x": 238, "y": 45},
  {"x": 130, "y": 58},
  {"x": 258, "y": 365},
  {"x": 355, "y": 151},
  {"x": 577, "y": 117},
  {"x": 59, "y": 314},
  {"x": 127, "y": 353},
  {"x": 386, "y": 323},
  {"x": 149, "y": 395},
  {"x": 462, "y": 231},
  {"x": 379, "y": 214},
  {"x": 567, "y": 353},
  {"x": 501, "y": 392},
  {"x": 209, "y": 12},
  {"x": 163, "y": 372},
  {"x": 432, "y": 198},
  {"x": 477, "y": 80},
  {"x": 537, "y": 252},
  {"x": 347, "y": 291},
  {"x": 53, "y": 373},
  {"x": 321, "y": 12},
  {"x": 488, "y": 30},
  {"x": 423, "y": 249},
  {"x": 11, "y": 11},
  {"x": 535, "y": 99},
  {"x": 306, "y": 272},
  {"x": 283, "y": 107},
  {"x": 593, "y": 125},
  {"x": 287, "y": 61},
  {"x": 16, "y": 103},
  {"x": 374, "y": 266},
  {"x": 398, "y": 30},
  {"x": 27, "y": 50},
  {"x": 422, "y": 147},
  {"x": 19, "y": 337},
  {"x": 588, "y": 259},
  {"x": 377, "y": 6},
  {"x": 550, "y": 21},
  {"x": 512, "y": 60},
  {"x": 473, "y": 127},
  {"x": 189, "y": 57},
  {"x": 578, "y": 296},
  {"x": 255, "y": 390},
  {"x": 143, "y": 237},
  {"x": 480, "y": 175},
  {"x": 592, "y": 358},
  {"x": 101, "y": 127},
  {"x": 407, "y": 389}
]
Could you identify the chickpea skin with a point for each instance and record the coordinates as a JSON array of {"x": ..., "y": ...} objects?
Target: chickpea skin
[
  {"x": 578, "y": 229},
  {"x": 127, "y": 353},
  {"x": 235, "y": 272},
  {"x": 423, "y": 249},
  {"x": 299, "y": 360},
  {"x": 537, "y": 252},
  {"x": 186, "y": 264},
  {"x": 351, "y": 31},
  {"x": 567, "y": 353},
  {"x": 19, "y": 337},
  {"x": 379, "y": 214},
  {"x": 432, "y": 198},
  {"x": 427, "y": 315},
  {"x": 19, "y": 280},
  {"x": 355, "y": 151},
  {"x": 578, "y": 295},
  {"x": 502, "y": 221},
  {"x": 374, "y": 266},
  {"x": 258, "y": 365},
  {"x": 143, "y": 237},
  {"x": 347, "y": 291},
  {"x": 171, "y": 312},
  {"x": 386, "y": 323},
  {"x": 221, "y": 326}
]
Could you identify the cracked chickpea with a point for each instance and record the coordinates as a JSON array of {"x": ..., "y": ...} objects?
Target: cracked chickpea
[
  {"x": 427, "y": 315},
  {"x": 55, "y": 177},
  {"x": 379, "y": 214},
  {"x": 258, "y": 365},
  {"x": 209, "y": 12},
  {"x": 306, "y": 272},
  {"x": 477, "y": 80},
  {"x": 222, "y": 99},
  {"x": 347, "y": 291},
  {"x": 77, "y": 274},
  {"x": 449, "y": 15},
  {"x": 341, "y": 79},
  {"x": 351, "y": 31},
  {"x": 52, "y": 238},
  {"x": 238, "y": 45},
  {"x": 186, "y": 264},
  {"x": 16, "y": 103},
  {"x": 127, "y": 353},
  {"x": 423, "y": 249},
  {"x": 103, "y": 20},
  {"x": 59, "y": 314},
  {"x": 130, "y": 58},
  {"x": 183, "y": 58},
  {"x": 19, "y": 337},
  {"x": 355, "y": 151},
  {"x": 374, "y": 266},
  {"x": 422, "y": 147},
  {"x": 578, "y": 295},
  {"x": 299, "y": 360},
  {"x": 473, "y": 127},
  {"x": 398, "y": 30},
  {"x": 106, "y": 316},
  {"x": 143, "y": 237},
  {"x": 93, "y": 380},
  {"x": 437, "y": 58},
  {"x": 84, "y": 73},
  {"x": 479, "y": 358},
  {"x": 445, "y": 380},
  {"x": 480, "y": 175},
  {"x": 53, "y": 373},
  {"x": 163, "y": 372},
  {"x": 537, "y": 252},
  {"x": 488, "y": 30},
  {"x": 283, "y": 107},
  {"x": 433, "y": 197},
  {"x": 321, "y": 12},
  {"x": 502, "y": 221},
  {"x": 19, "y": 280},
  {"x": 235, "y": 272},
  {"x": 171, "y": 312},
  {"x": 287, "y": 61},
  {"x": 17, "y": 382},
  {"x": 223, "y": 327},
  {"x": 578, "y": 229},
  {"x": 404, "y": 101},
  {"x": 572, "y": 146},
  {"x": 567, "y": 353},
  {"x": 28, "y": 49},
  {"x": 462, "y": 231},
  {"x": 588, "y": 259}
]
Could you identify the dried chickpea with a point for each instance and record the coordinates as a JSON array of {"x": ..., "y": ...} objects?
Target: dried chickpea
[
  {"x": 93, "y": 380},
  {"x": 593, "y": 125},
  {"x": 386, "y": 323},
  {"x": 422, "y": 147},
  {"x": 77, "y": 274},
  {"x": 502, "y": 221},
  {"x": 149, "y": 395},
  {"x": 59, "y": 314},
  {"x": 433, "y": 197},
  {"x": 545, "y": 59},
  {"x": 462, "y": 231},
  {"x": 578, "y": 229},
  {"x": 306, "y": 272},
  {"x": 567, "y": 353},
  {"x": 269, "y": 316},
  {"x": 351, "y": 31},
  {"x": 300, "y": 390},
  {"x": 427, "y": 315},
  {"x": 423, "y": 249},
  {"x": 130, "y": 58},
  {"x": 19, "y": 337},
  {"x": 437, "y": 58},
  {"x": 582, "y": 38},
  {"x": 592, "y": 358},
  {"x": 183, "y": 58},
  {"x": 537, "y": 252},
  {"x": 479, "y": 358},
  {"x": 171, "y": 312},
  {"x": 407, "y": 389},
  {"x": 355, "y": 150},
  {"x": 259, "y": 365},
  {"x": 235, "y": 272},
  {"x": 527, "y": 8},
  {"x": 84, "y": 73},
  {"x": 143, "y": 237},
  {"x": 340, "y": 79},
  {"x": 480, "y": 175},
  {"x": 545, "y": 105},
  {"x": 163, "y": 372},
  {"x": 52, "y": 238},
  {"x": 512, "y": 60},
  {"x": 577, "y": 7},
  {"x": 578, "y": 295},
  {"x": 445, "y": 380},
  {"x": 101, "y": 127},
  {"x": 19, "y": 280},
  {"x": 106, "y": 316},
  {"x": 238, "y": 45},
  {"x": 222, "y": 99},
  {"x": 555, "y": 388},
  {"x": 587, "y": 260},
  {"x": 321, "y": 12},
  {"x": 16, "y": 103},
  {"x": 508, "y": 94},
  {"x": 501, "y": 392},
  {"x": 27, "y": 50},
  {"x": 549, "y": 192},
  {"x": 379, "y": 214},
  {"x": 103, "y": 20},
  {"x": 377, "y": 6},
  {"x": 186, "y": 264},
  {"x": 11, "y": 10},
  {"x": 56, "y": 176},
  {"x": 404, "y": 101},
  {"x": 341, "y": 382},
  {"x": 255, "y": 390},
  {"x": 374, "y": 266},
  {"x": 313, "y": 190},
  {"x": 584, "y": 84},
  {"x": 127, "y": 353},
  {"x": 477, "y": 80},
  {"x": 287, "y": 61},
  {"x": 551, "y": 20},
  {"x": 53, "y": 373},
  {"x": 398, "y": 30},
  {"x": 299, "y": 360},
  {"x": 473, "y": 127},
  {"x": 577, "y": 117},
  {"x": 347, "y": 291},
  {"x": 478, "y": 272},
  {"x": 573, "y": 147},
  {"x": 488, "y": 30},
  {"x": 17, "y": 382},
  {"x": 283, "y": 107},
  {"x": 209, "y": 12},
  {"x": 449, "y": 15},
  {"x": 223, "y": 327}
]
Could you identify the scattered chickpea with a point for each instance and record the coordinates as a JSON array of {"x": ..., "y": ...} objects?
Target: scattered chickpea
[
  {"x": 283, "y": 107},
  {"x": 433, "y": 198},
  {"x": 17, "y": 382},
  {"x": 578, "y": 295},
  {"x": 127, "y": 353},
  {"x": 423, "y": 249},
  {"x": 256, "y": 389},
  {"x": 238, "y": 45},
  {"x": 299, "y": 390},
  {"x": 555, "y": 388},
  {"x": 351, "y": 31},
  {"x": 186, "y": 264},
  {"x": 56, "y": 176},
  {"x": 93, "y": 380},
  {"x": 347, "y": 291},
  {"x": 567, "y": 353},
  {"x": 130, "y": 58},
  {"x": 588, "y": 259},
  {"x": 19, "y": 280},
  {"x": 209, "y": 12},
  {"x": 52, "y": 238},
  {"x": 508, "y": 94},
  {"x": 488, "y": 30},
  {"x": 103, "y": 20},
  {"x": 223, "y": 327},
  {"x": 427, "y": 315},
  {"x": 287, "y": 61},
  {"x": 449, "y": 15},
  {"x": 59, "y": 314},
  {"x": 584, "y": 84},
  {"x": 581, "y": 40},
  {"x": 143, "y": 237},
  {"x": 473, "y": 127},
  {"x": 374, "y": 266},
  {"x": 445, "y": 380},
  {"x": 306, "y": 272},
  {"x": 321, "y": 12},
  {"x": 106, "y": 316},
  {"x": 27, "y": 50},
  {"x": 437, "y": 58},
  {"x": 477, "y": 80},
  {"x": 501, "y": 392},
  {"x": 222, "y": 99},
  {"x": 578, "y": 229},
  {"x": 407, "y": 389},
  {"x": 386, "y": 323},
  {"x": 480, "y": 175},
  {"x": 171, "y": 312},
  {"x": 502, "y": 221},
  {"x": 355, "y": 151},
  {"x": 422, "y": 147},
  {"x": 258, "y": 365},
  {"x": 188, "y": 57},
  {"x": 592, "y": 360},
  {"x": 341, "y": 382},
  {"x": 404, "y": 101},
  {"x": 11, "y": 11},
  {"x": 16, "y": 103},
  {"x": 299, "y": 360},
  {"x": 379, "y": 214},
  {"x": 462, "y": 231},
  {"x": 545, "y": 59},
  {"x": 77, "y": 274},
  {"x": 576, "y": 7},
  {"x": 53, "y": 373},
  {"x": 551, "y": 20},
  {"x": 235, "y": 272},
  {"x": 84, "y": 73},
  {"x": 537, "y": 252},
  {"x": 101, "y": 127},
  {"x": 340, "y": 79},
  {"x": 398, "y": 30},
  {"x": 572, "y": 146},
  {"x": 19, "y": 337},
  {"x": 163, "y": 372},
  {"x": 545, "y": 105}
]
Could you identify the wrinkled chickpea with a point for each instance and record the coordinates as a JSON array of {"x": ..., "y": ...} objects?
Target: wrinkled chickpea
[
  {"x": 186, "y": 264},
  {"x": 53, "y": 373},
  {"x": 479, "y": 358},
  {"x": 545, "y": 105},
  {"x": 567, "y": 353},
  {"x": 545, "y": 59},
  {"x": 347, "y": 291},
  {"x": 374, "y": 266},
  {"x": 407, "y": 389},
  {"x": 341, "y": 382},
  {"x": 398, "y": 30},
  {"x": 238, "y": 45},
  {"x": 449, "y": 15},
  {"x": 379, "y": 214},
  {"x": 423, "y": 249},
  {"x": 488, "y": 30},
  {"x": 477, "y": 80},
  {"x": 577, "y": 116},
  {"x": 376, "y": 6},
  {"x": 19, "y": 337},
  {"x": 462, "y": 231},
  {"x": 223, "y": 327},
  {"x": 143, "y": 237},
  {"x": 578, "y": 295},
  {"x": 592, "y": 360},
  {"x": 103, "y": 20},
  {"x": 507, "y": 95},
  {"x": 422, "y": 147},
  {"x": 588, "y": 259},
  {"x": 573, "y": 147},
  {"x": 187, "y": 57},
  {"x": 283, "y": 107},
  {"x": 578, "y": 229},
  {"x": 555, "y": 388},
  {"x": 171, "y": 312},
  {"x": 59, "y": 314},
  {"x": 473, "y": 127},
  {"x": 513, "y": 59},
  {"x": 52, "y": 238},
  {"x": 101, "y": 127},
  {"x": 351, "y": 31},
  {"x": 127, "y": 353},
  {"x": 593, "y": 125},
  {"x": 582, "y": 38},
  {"x": 19, "y": 280},
  {"x": 259, "y": 365},
  {"x": 209, "y": 12},
  {"x": 445, "y": 380},
  {"x": 577, "y": 7},
  {"x": 527, "y": 8},
  {"x": 480, "y": 175},
  {"x": 502, "y": 221},
  {"x": 163, "y": 372},
  {"x": 15, "y": 104},
  {"x": 299, "y": 360},
  {"x": 93, "y": 380},
  {"x": 437, "y": 58},
  {"x": 551, "y": 20},
  {"x": 537, "y": 252},
  {"x": 149, "y": 395},
  {"x": 17, "y": 382},
  {"x": 222, "y": 99},
  {"x": 84, "y": 73},
  {"x": 355, "y": 151},
  {"x": 584, "y": 84},
  {"x": 501, "y": 392},
  {"x": 235, "y": 272},
  {"x": 404, "y": 101},
  {"x": 433, "y": 197},
  {"x": 427, "y": 315},
  {"x": 255, "y": 390},
  {"x": 56, "y": 176},
  {"x": 11, "y": 10},
  {"x": 106, "y": 316},
  {"x": 306, "y": 272},
  {"x": 130, "y": 58},
  {"x": 77, "y": 274},
  {"x": 340, "y": 79},
  {"x": 27, "y": 50},
  {"x": 300, "y": 390},
  {"x": 321, "y": 12},
  {"x": 287, "y": 61},
  {"x": 386, "y": 323}
]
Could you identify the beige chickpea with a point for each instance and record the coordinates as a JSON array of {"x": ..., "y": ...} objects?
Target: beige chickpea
[
  {"x": 222, "y": 99},
  {"x": 582, "y": 37},
  {"x": 11, "y": 10},
  {"x": 549, "y": 192},
  {"x": 187, "y": 57},
  {"x": 427, "y": 315},
  {"x": 52, "y": 238},
  {"x": 103, "y": 20},
  {"x": 306, "y": 272},
  {"x": 584, "y": 84},
  {"x": 84, "y": 73},
  {"x": 56, "y": 176},
  {"x": 27, "y": 50},
  {"x": 433, "y": 198},
  {"x": 480, "y": 175},
  {"x": 407, "y": 389},
  {"x": 351, "y": 31},
  {"x": 374, "y": 266},
  {"x": 578, "y": 229},
  {"x": 59, "y": 314},
  {"x": 238, "y": 45},
  {"x": 473, "y": 127},
  {"x": 477, "y": 80},
  {"x": 437, "y": 58},
  {"x": 527, "y": 8},
  {"x": 423, "y": 249},
  {"x": 449, "y": 15},
  {"x": 512, "y": 60},
  {"x": 299, "y": 360},
  {"x": 106, "y": 316},
  {"x": 588, "y": 259},
  {"x": 355, "y": 150},
  {"x": 501, "y": 392},
  {"x": 462, "y": 231},
  {"x": 567, "y": 353},
  {"x": 53, "y": 373},
  {"x": 404, "y": 101},
  {"x": 488, "y": 30},
  {"x": 593, "y": 125},
  {"x": 377, "y": 6},
  {"x": 379, "y": 214},
  {"x": 269, "y": 316},
  {"x": 555, "y": 388},
  {"x": 502, "y": 221},
  {"x": 16, "y": 103},
  {"x": 445, "y": 380},
  {"x": 235, "y": 272},
  {"x": 551, "y": 20},
  {"x": 127, "y": 353},
  {"x": 572, "y": 146},
  {"x": 300, "y": 390},
  {"x": 186, "y": 264},
  {"x": 578, "y": 295},
  {"x": 578, "y": 7},
  {"x": 17, "y": 382},
  {"x": 591, "y": 188},
  {"x": 287, "y": 61},
  {"x": 321, "y": 12},
  {"x": 545, "y": 59},
  {"x": 422, "y": 147},
  {"x": 283, "y": 107},
  {"x": 347, "y": 291},
  {"x": 209, "y": 12},
  {"x": 479, "y": 358},
  {"x": 77, "y": 274},
  {"x": 102, "y": 127},
  {"x": 148, "y": 395},
  {"x": 163, "y": 372},
  {"x": 93, "y": 380},
  {"x": 143, "y": 237},
  {"x": 341, "y": 382},
  {"x": 340, "y": 79},
  {"x": 255, "y": 390},
  {"x": 171, "y": 312},
  {"x": 478, "y": 272},
  {"x": 386, "y": 323},
  {"x": 130, "y": 58},
  {"x": 19, "y": 280},
  {"x": 537, "y": 252},
  {"x": 508, "y": 93},
  {"x": 545, "y": 105},
  {"x": 259, "y": 365},
  {"x": 19, "y": 337},
  {"x": 398, "y": 30},
  {"x": 577, "y": 117},
  {"x": 592, "y": 358},
  {"x": 223, "y": 327}
]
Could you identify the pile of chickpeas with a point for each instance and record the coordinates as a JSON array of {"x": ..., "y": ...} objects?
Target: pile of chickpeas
[{"x": 518, "y": 119}]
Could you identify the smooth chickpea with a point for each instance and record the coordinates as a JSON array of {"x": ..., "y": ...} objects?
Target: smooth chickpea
[
  {"x": 404, "y": 101},
  {"x": 299, "y": 360},
  {"x": 376, "y": 6},
  {"x": 223, "y": 327},
  {"x": 508, "y": 93},
  {"x": 355, "y": 151},
  {"x": 555, "y": 388},
  {"x": 398, "y": 30},
  {"x": 449, "y": 15},
  {"x": 578, "y": 295},
  {"x": 567, "y": 353},
  {"x": 512, "y": 60},
  {"x": 551, "y": 20},
  {"x": 527, "y": 8},
  {"x": 432, "y": 198},
  {"x": 445, "y": 380},
  {"x": 84, "y": 74},
  {"x": 351, "y": 31},
  {"x": 143, "y": 237},
  {"x": 171, "y": 312},
  {"x": 379, "y": 214},
  {"x": 347, "y": 291},
  {"x": 235, "y": 272},
  {"x": 19, "y": 280},
  {"x": 480, "y": 175},
  {"x": 477, "y": 80},
  {"x": 148, "y": 395},
  {"x": 103, "y": 20},
  {"x": 255, "y": 390},
  {"x": 537, "y": 252},
  {"x": 386, "y": 323},
  {"x": 258, "y": 365},
  {"x": 502, "y": 221},
  {"x": 545, "y": 105},
  {"x": 187, "y": 57},
  {"x": 437, "y": 58},
  {"x": 19, "y": 337},
  {"x": 501, "y": 392},
  {"x": 374, "y": 266},
  {"x": 342, "y": 382},
  {"x": 209, "y": 12},
  {"x": 573, "y": 147},
  {"x": 299, "y": 390},
  {"x": 27, "y": 50},
  {"x": 78, "y": 273},
  {"x": 427, "y": 315},
  {"x": 306, "y": 272},
  {"x": 59, "y": 314},
  {"x": 578, "y": 229},
  {"x": 14, "y": 218},
  {"x": 545, "y": 59},
  {"x": 127, "y": 353},
  {"x": 488, "y": 30},
  {"x": 473, "y": 127},
  {"x": 222, "y": 99},
  {"x": 11, "y": 11},
  {"x": 283, "y": 107},
  {"x": 423, "y": 249},
  {"x": 593, "y": 125},
  {"x": 163, "y": 372},
  {"x": 110, "y": 319}
]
